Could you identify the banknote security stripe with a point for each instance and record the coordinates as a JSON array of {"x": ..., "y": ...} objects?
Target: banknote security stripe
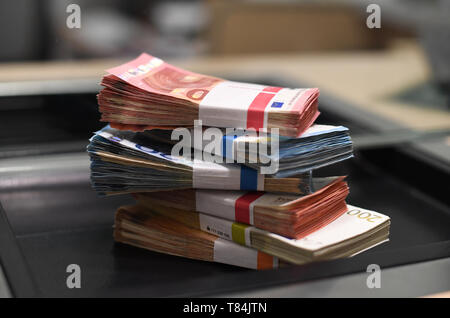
[
  {"x": 235, "y": 104},
  {"x": 207, "y": 175}
]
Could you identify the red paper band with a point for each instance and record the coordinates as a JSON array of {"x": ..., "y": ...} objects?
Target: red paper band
[
  {"x": 242, "y": 206},
  {"x": 255, "y": 113}
]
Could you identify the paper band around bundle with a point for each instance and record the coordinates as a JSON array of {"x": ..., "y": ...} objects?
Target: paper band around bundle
[
  {"x": 234, "y": 254},
  {"x": 232, "y": 231},
  {"x": 244, "y": 105},
  {"x": 235, "y": 205},
  {"x": 208, "y": 175}
]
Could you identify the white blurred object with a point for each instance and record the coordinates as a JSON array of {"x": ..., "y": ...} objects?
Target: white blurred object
[
  {"x": 180, "y": 17},
  {"x": 430, "y": 19},
  {"x": 178, "y": 25},
  {"x": 106, "y": 30}
]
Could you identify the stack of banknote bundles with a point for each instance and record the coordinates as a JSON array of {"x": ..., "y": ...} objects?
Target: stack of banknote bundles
[{"x": 231, "y": 202}]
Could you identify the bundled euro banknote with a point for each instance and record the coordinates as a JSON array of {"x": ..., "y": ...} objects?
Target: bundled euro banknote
[
  {"x": 292, "y": 216},
  {"x": 317, "y": 147},
  {"x": 203, "y": 237},
  {"x": 125, "y": 162},
  {"x": 137, "y": 226},
  {"x": 148, "y": 93}
]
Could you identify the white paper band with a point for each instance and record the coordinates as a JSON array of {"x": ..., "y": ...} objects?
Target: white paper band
[
  {"x": 223, "y": 203},
  {"x": 208, "y": 175},
  {"x": 224, "y": 229},
  {"x": 216, "y": 226},
  {"x": 226, "y": 105},
  {"x": 234, "y": 254}
]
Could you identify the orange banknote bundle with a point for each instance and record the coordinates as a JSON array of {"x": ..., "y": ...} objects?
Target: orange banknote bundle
[
  {"x": 292, "y": 216},
  {"x": 140, "y": 227},
  {"x": 208, "y": 238},
  {"x": 148, "y": 93}
]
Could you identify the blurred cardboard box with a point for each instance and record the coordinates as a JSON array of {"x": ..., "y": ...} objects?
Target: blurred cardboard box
[{"x": 239, "y": 27}]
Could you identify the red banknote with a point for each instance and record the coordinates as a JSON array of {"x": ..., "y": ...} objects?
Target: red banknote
[{"x": 148, "y": 93}]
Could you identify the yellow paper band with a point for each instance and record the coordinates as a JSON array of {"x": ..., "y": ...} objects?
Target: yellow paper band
[{"x": 238, "y": 232}]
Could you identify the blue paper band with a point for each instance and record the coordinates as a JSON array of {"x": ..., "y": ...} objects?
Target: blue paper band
[
  {"x": 227, "y": 145},
  {"x": 249, "y": 179}
]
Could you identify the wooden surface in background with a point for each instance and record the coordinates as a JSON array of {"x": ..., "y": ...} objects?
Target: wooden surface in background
[{"x": 246, "y": 27}]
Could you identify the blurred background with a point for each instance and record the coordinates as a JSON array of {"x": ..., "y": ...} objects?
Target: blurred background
[
  {"x": 186, "y": 31},
  {"x": 390, "y": 85},
  {"x": 397, "y": 73},
  {"x": 36, "y": 30}
]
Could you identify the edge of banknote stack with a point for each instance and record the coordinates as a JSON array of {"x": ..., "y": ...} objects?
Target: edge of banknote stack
[{"x": 228, "y": 211}]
